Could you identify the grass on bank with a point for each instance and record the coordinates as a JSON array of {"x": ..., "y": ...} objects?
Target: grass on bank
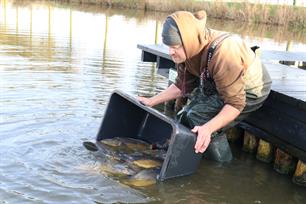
[{"x": 287, "y": 15}]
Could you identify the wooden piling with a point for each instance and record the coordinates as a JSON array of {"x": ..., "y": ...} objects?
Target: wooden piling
[
  {"x": 299, "y": 176},
  {"x": 250, "y": 142},
  {"x": 234, "y": 134},
  {"x": 264, "y": 151},
  {"x": 284, "y": 163}
]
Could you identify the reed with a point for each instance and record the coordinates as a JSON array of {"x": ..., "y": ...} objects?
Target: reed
[
  {"x": 284, "y": 15},
  {"x": 244, "y": 12}
]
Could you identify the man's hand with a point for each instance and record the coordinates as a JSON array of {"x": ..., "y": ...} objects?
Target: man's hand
[
  {"x": 170, "y": 93},
  {"x": 145, "y": 101},
  {"x": 203, "y": 138},
  {"x": 227, "y": 114}
]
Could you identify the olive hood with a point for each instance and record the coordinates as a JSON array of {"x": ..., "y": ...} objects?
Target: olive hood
[{"x": 192, "y": 28}]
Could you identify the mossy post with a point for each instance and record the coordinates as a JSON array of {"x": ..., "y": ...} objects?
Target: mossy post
[
  {"x": 284, "y": 163},
  {"x": 299, "y": 176},
  {"x": 250, "y": 142},
  {"x": 264, "y": 151}
]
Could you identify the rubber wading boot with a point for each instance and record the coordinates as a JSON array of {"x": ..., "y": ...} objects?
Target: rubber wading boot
[{"x": 219, "y": 149}]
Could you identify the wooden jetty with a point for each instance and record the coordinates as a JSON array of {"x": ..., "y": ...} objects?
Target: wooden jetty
[{"x": 281, "y": 122}]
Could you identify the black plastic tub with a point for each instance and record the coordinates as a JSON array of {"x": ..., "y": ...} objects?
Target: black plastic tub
[{"x": 126, "y": 117}]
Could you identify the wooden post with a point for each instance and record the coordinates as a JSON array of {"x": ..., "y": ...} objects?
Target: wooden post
[
  {"x": 156, "y": 32},
  {"x": 264, "y": 151},
  {"x": 303, "y": 65},
  {"x": 299, "y": 176},
  {"x": 233, "y": 134},
  {"x": 250, "y": 142},
  {"x": 283, "y": 163}
]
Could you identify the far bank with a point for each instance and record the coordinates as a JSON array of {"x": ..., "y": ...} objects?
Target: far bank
[{"x": 283, "y": 15}]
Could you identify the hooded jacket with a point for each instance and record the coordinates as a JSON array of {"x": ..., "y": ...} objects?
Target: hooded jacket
[{"x": 234, "y": 67}]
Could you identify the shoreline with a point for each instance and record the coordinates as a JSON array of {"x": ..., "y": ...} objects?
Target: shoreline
[
  {"x": 291, "y": 17},
  {"x": 281, "y": 15}
]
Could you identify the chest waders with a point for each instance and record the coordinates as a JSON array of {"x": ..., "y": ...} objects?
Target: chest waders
[{"x": 204, "y": 104}]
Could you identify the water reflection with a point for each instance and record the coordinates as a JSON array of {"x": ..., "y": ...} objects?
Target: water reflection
[
  {"x": 282, "y": 35},
  {"x": 58, "y": 66},
  {"x": 245, "y": 180}
]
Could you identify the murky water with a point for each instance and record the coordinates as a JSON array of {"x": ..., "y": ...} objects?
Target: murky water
[{"x": 58, "y": 66}]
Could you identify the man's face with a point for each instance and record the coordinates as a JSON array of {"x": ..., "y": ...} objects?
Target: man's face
[{"x": 177, "y": 53}]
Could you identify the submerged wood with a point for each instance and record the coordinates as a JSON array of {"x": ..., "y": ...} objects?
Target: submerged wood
[
  {"x": 299, "y": 176},
  {"x": 284, "y": 163},
  {"x": 250, "y": 142},
  {"x": 264, "y": 151}
]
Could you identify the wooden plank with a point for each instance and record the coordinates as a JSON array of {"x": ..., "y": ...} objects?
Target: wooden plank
[
  {"x": 265, "y": 55},
  {"x": 148, "y": 57},
  {"x": 163, "y": 63},
  {"x": 287, "y": 80},
  {"x": 158, "y": 50},
  {"x": 268, "y": 55}
]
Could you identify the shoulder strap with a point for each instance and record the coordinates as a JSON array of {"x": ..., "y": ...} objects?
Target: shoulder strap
[{"x": 211, "y": 50}]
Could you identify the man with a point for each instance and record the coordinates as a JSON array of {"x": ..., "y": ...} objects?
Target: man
[{"x": 220, "y": 74}]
